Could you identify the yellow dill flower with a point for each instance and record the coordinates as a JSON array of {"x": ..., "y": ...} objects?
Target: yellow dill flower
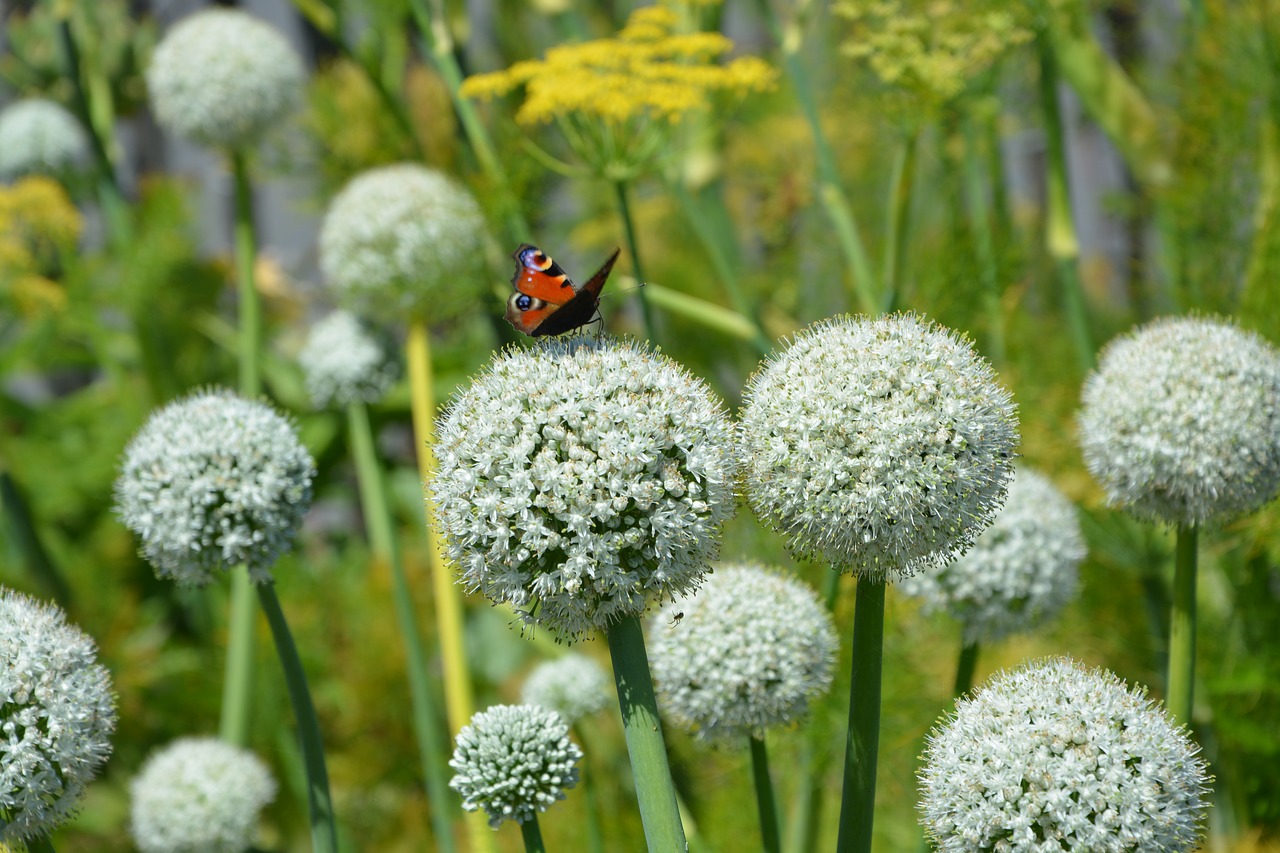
[
  {"x": 39, "y": 227},
  {"x": 617, "y": 98}
]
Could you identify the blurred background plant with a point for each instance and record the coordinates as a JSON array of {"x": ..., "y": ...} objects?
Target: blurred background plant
[{"x": 1041, "y": 179}]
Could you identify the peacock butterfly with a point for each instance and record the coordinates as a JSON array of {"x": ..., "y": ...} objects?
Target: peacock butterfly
[{"x": 546, "y": 302}]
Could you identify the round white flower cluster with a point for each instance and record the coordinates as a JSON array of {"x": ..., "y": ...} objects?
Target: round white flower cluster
[
  {"x": 572, "y": 685},
  {"x": 222, "y": 77},
  {"x": 1022, "y": 570},
  {"x": 749, "y": 650},
  {"x": 579, "y": 480},
  {"x": 345, "y": 362},
  {"x": 514, "y": 761},
  {"x": 405, "y": 241},
  {"x": 57, "y": 713},
  {"x": 1058, "y": 757},
  {"x": 199, "y": 795},
  {"x": 211, "y": 481},
  {"x": 881, "y": 447},
  {"x": 38, "y": 136},
  {"x": 1181, "y": 421}
]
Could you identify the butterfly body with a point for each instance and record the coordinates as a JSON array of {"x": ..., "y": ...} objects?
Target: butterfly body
[{"x": 546, "y": 301}]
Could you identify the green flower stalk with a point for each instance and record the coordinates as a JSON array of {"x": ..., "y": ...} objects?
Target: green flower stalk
[
  {"x": 39, "y": 137},
  {"x": 1181, "y": 424},
  {"x": 579, "y": 481},
  {"x": 1058, "y": 756},
  {"x": 882, "y": 447},
  {"x": 749, "y": 651},
  {"x": 58, "y": 712},
  {"x": 199, "y": 795}
]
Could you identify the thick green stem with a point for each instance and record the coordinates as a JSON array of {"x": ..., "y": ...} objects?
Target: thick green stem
[
  {"x": 324, "y": 837},
  {"x": 769, "y": 835},
  {"x": 898, "y": 233},
  {"x": 532, "y": 836},
  {"x": 386, "y": 550},
  {"x": 654, "y": 789},
  {"x": 965, "y": 668},
  {"x": 237, "y": 680},
  {"x": 246, "y": 254},
  {"x": 1182, "y": 628},
  {"x": 858, "y": 800},
  {"x": 1060, "y": 229},
  {"x": 628, "y": 226}
]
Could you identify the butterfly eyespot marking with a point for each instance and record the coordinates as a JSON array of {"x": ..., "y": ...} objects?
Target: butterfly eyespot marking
[{"x": 524, "y": 302}]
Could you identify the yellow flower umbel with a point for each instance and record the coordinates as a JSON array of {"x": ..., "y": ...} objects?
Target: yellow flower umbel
[
  {"x": 39, "y": 227},
  {"x": 618, "y": 99}
]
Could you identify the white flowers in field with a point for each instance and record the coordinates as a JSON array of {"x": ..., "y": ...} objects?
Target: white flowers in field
[
  {"x": 581, "y": 480},
  {"x": 881, "y": 447},
  {"x": 199, "y": 795},
  {"x": 749, "y": 650},
  {"x": 573, "y": 685},
  {"x": 514, "y": 761},
  {"x": 58, "y": 716},
  {"x": 1181, "y": 421},
  {"x": 223, "y": 78},
  {"x": 39, "y": 136},
  {"x": 1022, "y": 570},
  {"x": 345, "y": 362},
  {"x": 1055, "y": 756},
  {"x": 211, "y": 481},
  {"x": 404, "y": 241}
]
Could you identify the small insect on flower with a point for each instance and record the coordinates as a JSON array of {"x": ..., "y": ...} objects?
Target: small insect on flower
[{"x": 546, "y": 301}]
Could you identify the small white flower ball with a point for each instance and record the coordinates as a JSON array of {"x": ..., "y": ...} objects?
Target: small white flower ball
[
  {"x": 573, "y": 685},
  {"x": 1056, "y": 756},
  {"x": 1181, "y": 421},
  {"x": 514, "y": 761},
  {"x": 879, "y": 446},
  {"x": 199, "y": 795},
  {"x": 405, "y": 241},
  {"x": 58, "y": 713},
  {"x": 344, "y": 361},
  {"x": 748, "y": 651},
  {"x": 211, "y": 481},
  {"x": 1020, "y": 573},
  {"x": 39, "y": 136},
  {"x": 581, "y": 480},
  {"x": 223, "y": 78}
]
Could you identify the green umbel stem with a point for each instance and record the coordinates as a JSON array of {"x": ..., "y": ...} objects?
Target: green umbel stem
[
  {"x": 624, "y": 210},
  {"x": 324, "y": 837},
  {"x": 386, "y": 550},
  {"x": 769, "y": 835},
  {"x": 654, "y": 789},
  {"x": 247, "y": 291},
  {"x": 965, "y": 667},
  {"x": 858, "y": 800},
  {"x": 979, "y": 217},
  {"x": 1060, "y": 229},
  {"x": 237, "y": 680},
  {"x": 1182, "y": 627},
  {"x": 898, "y": 233},
  {"x": 532, "y": 836}
]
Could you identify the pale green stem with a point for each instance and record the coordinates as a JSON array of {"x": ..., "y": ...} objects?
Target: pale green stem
[
  {"x": 709, "y": 314},
  {"x": 980, "y": 221},
  {"x": 595, "y": 834},
  {"x": 532, "y": 835},
  {"x": 1182, "y": 628},
  {"x": 654, "y": 789},
  {"x": 246, "y": 248},
  {"x": 765, "y": 805},
  {"x": 897, "y": 237},
  {"x": 237, "y": 680},
  {"x": 622, "y": 196},
  {"x": 862, "y": 744},
  {"x": 386, "y": 550}
]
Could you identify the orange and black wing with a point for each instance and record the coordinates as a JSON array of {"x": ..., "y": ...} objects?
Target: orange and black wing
[{"x": 545, "y": 301}]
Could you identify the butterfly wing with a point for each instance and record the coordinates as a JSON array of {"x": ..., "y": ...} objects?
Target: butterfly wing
[{"x": 545, "y": 301}]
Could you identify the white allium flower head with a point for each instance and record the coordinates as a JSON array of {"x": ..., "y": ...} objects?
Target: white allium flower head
[
  {"x": 581, "y": 480},
  {"x": 57, "y": 713},
  {"x": 573, "y": 685},
  {"x": 199, "y": 795},
  {"x": 1181, "y": 421},
  {"x": 1022, "y": 570},
  {"x": 1056, "y": 756},
  {"x": 211, "y": 481},
  {"x": 880, "y": 446},
  {"x": 344, "y": 361},
  {"x": 39, "y": 136},
  {"x": 751, "y": 650},
  {"x": 223, "y": 78},
  {"x": 513, "y": 761},
  {"x": 405, "y": 240}
]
